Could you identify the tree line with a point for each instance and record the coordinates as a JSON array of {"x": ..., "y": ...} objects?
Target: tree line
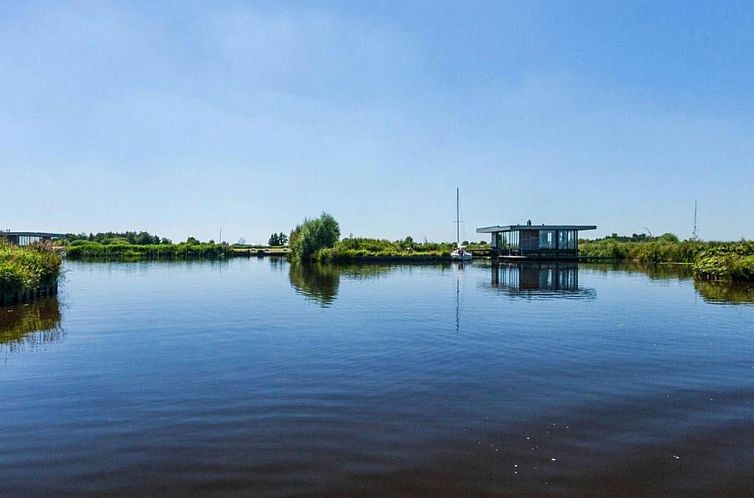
[
  {"x": 278, "y": 239},
  {"x": 138, "y": 238}
]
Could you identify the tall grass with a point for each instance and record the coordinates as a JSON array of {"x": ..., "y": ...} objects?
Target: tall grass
[
  {"x": 27, "y": 269},
  {"x": 733, "y": 261},
  {"x": 655, "y": 251},
  {"x": 125, "y": 251},
  {"x": 364, "y": 249}
]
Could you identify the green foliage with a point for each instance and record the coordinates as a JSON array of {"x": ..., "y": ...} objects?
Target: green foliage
[
  {"x": 138, "y": 238},
  {"x": 732, "y": 261},
  {"x": 278, "y": 239},
  {"x": 364, "y": 249},
  {"x": 636, "y": 237},
  {"x": 191, "y": 249},
  {"x": 313, "y": 235},
  {"x": 668, "y": 237},
  {"x": 28, "y": 268},
  {"x": 650, "y": 251}
]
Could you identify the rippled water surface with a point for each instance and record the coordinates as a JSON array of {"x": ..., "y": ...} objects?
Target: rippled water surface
[{"x": 258, "y": 378}]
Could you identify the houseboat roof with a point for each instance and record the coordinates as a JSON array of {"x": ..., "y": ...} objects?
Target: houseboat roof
[
  {"x": 514, "y": 228},
  {"x": 47, "y": 235}
]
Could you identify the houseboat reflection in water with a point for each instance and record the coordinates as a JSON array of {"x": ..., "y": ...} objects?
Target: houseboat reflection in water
[{"x": 539, "y": 279}]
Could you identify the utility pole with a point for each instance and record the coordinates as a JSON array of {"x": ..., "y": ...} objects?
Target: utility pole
[{"x": 221, "y": 236}]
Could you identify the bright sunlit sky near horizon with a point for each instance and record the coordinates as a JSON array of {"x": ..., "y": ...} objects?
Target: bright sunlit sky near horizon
[{"x": 183, "y": 118}]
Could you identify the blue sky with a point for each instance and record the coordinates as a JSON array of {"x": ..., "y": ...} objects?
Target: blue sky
[{"x": 181, "y": 118}]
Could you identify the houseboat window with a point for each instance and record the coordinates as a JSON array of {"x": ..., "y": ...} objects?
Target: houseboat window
[
  {"x": 509, "y": 240},
  {"x": 547, "y": 239},
  {"x": 567, "y": 239}
]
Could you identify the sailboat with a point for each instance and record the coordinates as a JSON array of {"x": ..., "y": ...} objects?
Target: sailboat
[{"x": 459, "y": 253}]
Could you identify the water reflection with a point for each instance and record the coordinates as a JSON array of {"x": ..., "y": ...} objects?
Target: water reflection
[
  {"x": 183, "y": 382},
  {"x": 277, "y": 263},
  {"x": 31, "y": 325},
  {"x": 320, "y": 282},
  {"x": 543, "y": 279},
  {"x": 725, "y": 292},
  {"x": 660, "y": 271},
  {"x": 315, "y": 281}
]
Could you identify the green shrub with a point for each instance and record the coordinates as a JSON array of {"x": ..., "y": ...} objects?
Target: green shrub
[
  {"x": 653, "y": 251},
  {"x": 313, "y": 235},
  {"x": 364, "y": 249},
  {"x": 29, "y": 268},
  {"x": 732, "y": 261},
  {"x": 184, "y": 250}
]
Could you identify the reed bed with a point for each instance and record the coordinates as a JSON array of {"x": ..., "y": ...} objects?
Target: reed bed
[
  {"x": 124, "y": 251},
  {"x": 730, "y": 261},
  {"x": 363, "y": 249},
  {"x": 27, "y": 272}
]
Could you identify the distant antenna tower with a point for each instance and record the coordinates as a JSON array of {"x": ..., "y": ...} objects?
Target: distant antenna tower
[{"x": 695, "y": 234}]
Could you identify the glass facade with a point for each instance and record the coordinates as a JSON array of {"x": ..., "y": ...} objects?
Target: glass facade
[
  {"x": 508, "y": 240},
  {"x": 567, "y": 239},
  {"x": 547, "y": 239},
  {"x": 532, "y": 240}
]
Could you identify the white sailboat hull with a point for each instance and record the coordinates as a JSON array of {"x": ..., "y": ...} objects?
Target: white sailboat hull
[{"x": 460, "y": 255}]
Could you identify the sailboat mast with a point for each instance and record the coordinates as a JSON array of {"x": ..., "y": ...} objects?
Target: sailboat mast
[
  {"x": 458, "y": 220},
  {"x": 695, "y": 235}
]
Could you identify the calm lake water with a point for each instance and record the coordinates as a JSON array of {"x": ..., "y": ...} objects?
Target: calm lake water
[{"x": 258, "y": 378}]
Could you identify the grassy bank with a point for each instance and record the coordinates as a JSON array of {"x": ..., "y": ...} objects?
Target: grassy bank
[
  {"x": 731, "y": 261},
  {"x": 363, "y": 250},
  {"x": 644, "y": 252},
  {"x": 81, "y": 249},
  {"x": 26, "y": 270},
  {"x": 247, "y": 250}
]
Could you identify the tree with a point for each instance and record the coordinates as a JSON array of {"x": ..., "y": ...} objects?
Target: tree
[
  {"x": 278, "y": 239},
  {"x": 668, "y": 237},
  {"x": 142, "y": 238},
  {"x": 407, "y": 243},
  {"x": 312, "y": 235}
]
